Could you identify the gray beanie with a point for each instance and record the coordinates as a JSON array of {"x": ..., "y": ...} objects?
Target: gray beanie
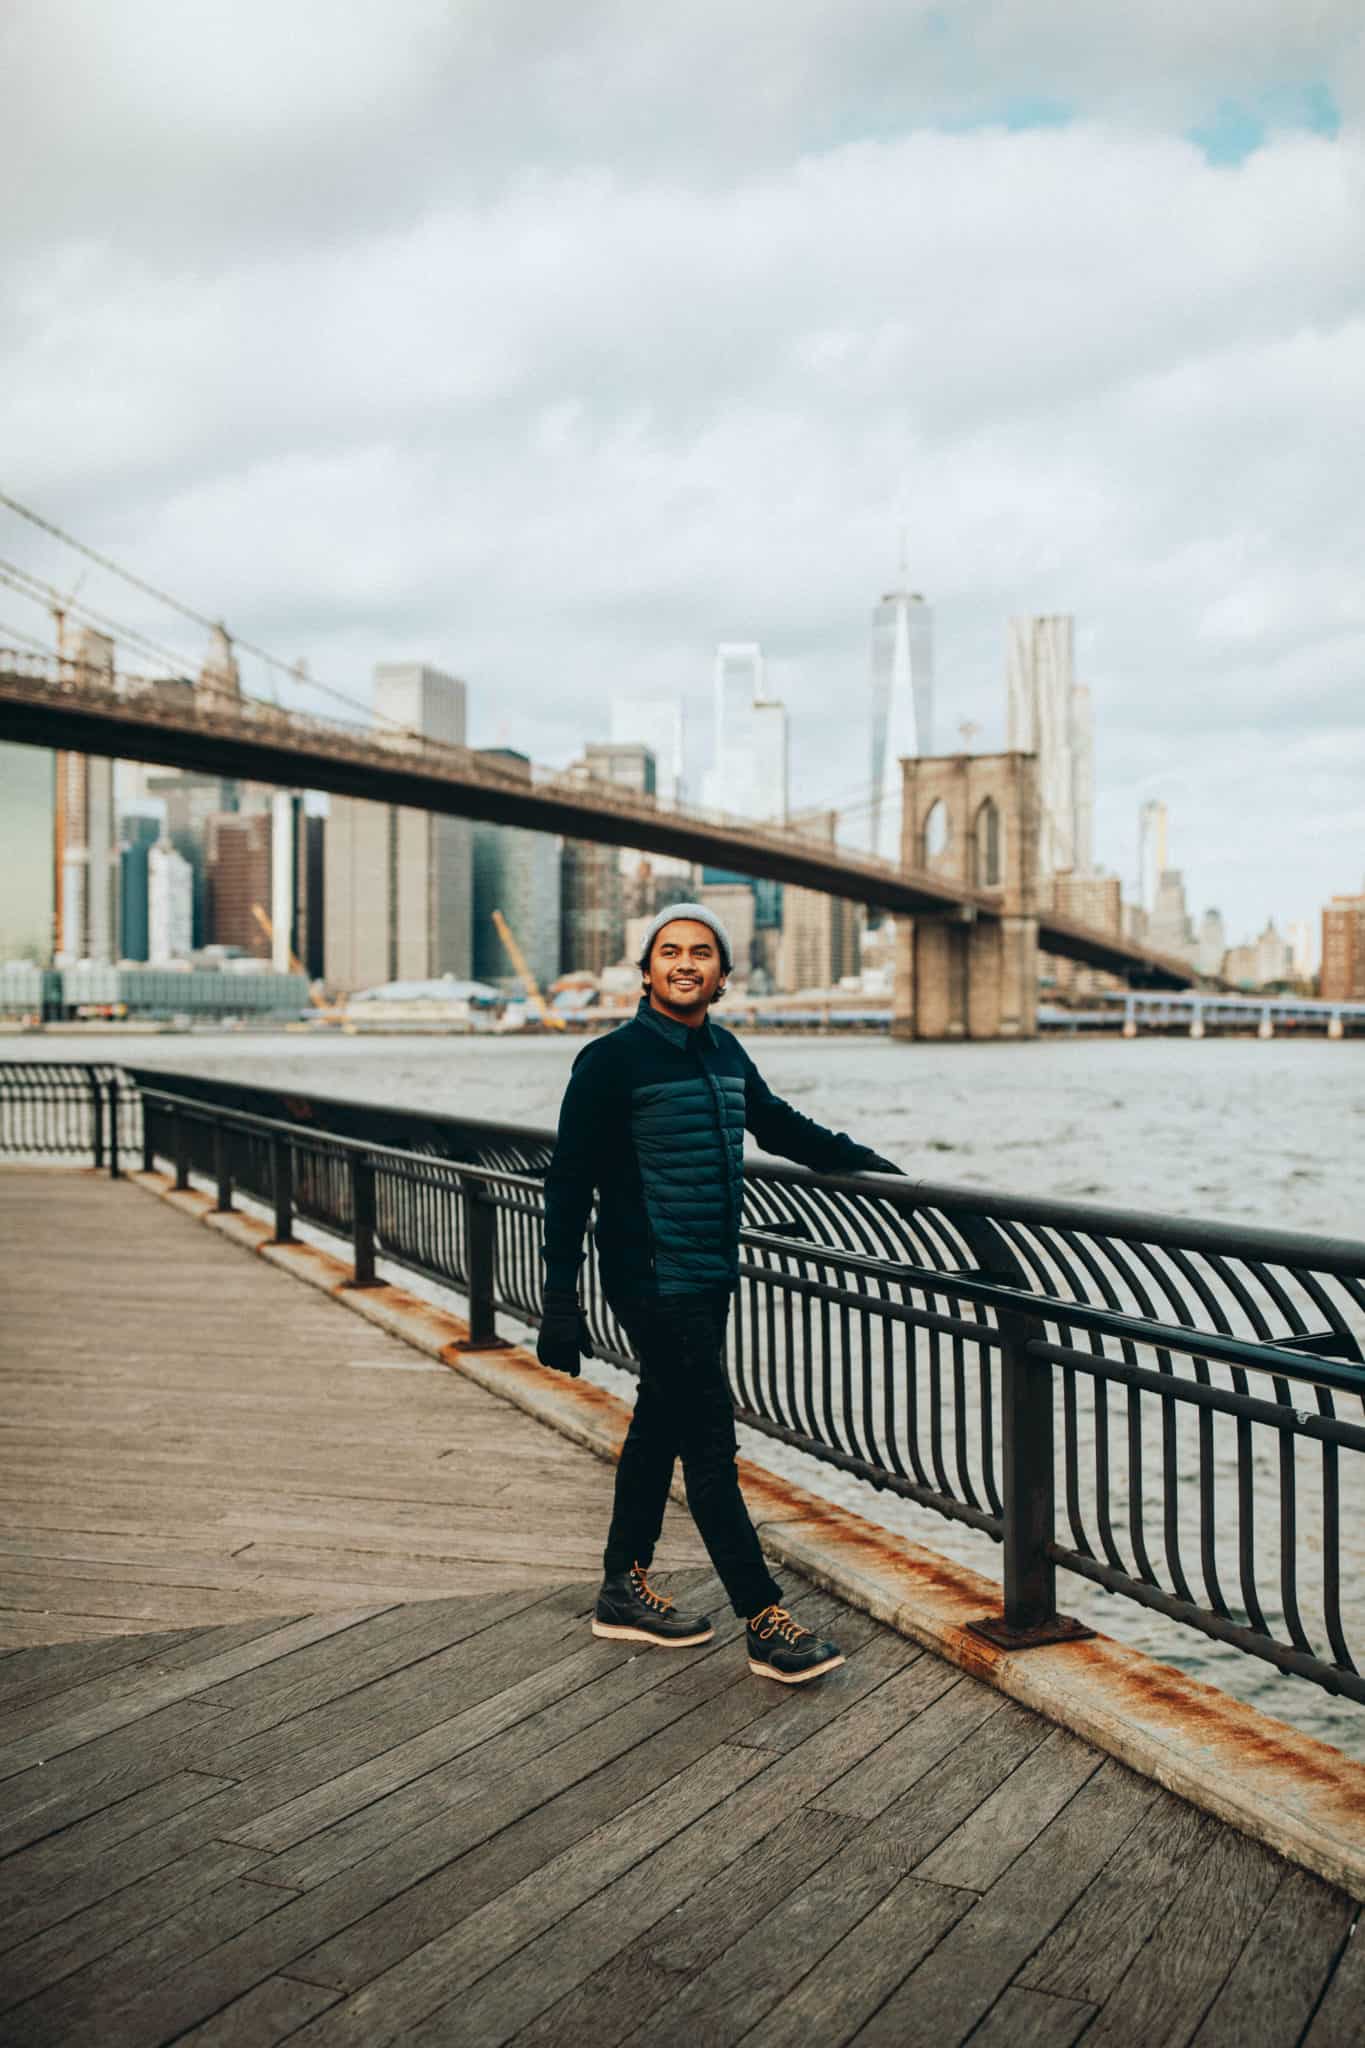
[{"x": 699, "y": 914}]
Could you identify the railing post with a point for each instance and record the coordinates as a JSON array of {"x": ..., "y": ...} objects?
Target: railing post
[
  {"x": 97, "y": 1113},
  {"x": 1027, "y": 1481},
  {"x": 181, "y": 1131},
  {"x": 1028, "y": 1484},
  {"x": 363, "y": 1220},
  {"x": 148, "y": 1147},
  {"x": 222, "y": 1165},
  {"x": 481, "y": 1255},
  {"x": 114, "y": 1173},
  {"x": 282, "y": 1176}
]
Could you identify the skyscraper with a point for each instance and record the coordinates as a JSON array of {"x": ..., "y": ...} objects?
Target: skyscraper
[
  {"x": 170, "y": 904},
  {"x": 1151, "y": 852},
  {"x": 902, "y": 706},
  {"x": 749, "y": 776},
  {"x": 1049, "y": 714},
  {"x": 518, "y": 873},
  {"x": 399, "y": 883},
  {"x": 86, "y": 831},
  {"x": 656, "y": 723},
  {"x": 27, "y": 832}
]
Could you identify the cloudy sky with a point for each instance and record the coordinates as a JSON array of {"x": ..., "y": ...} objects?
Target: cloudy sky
[{"x": 555, "y": 340}]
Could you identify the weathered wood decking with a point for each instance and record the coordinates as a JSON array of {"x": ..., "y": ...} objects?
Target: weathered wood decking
[{"x": 376, "y": 1815}]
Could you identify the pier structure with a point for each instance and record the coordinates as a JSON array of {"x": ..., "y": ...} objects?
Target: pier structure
[{"x": 302, "y": 1733}]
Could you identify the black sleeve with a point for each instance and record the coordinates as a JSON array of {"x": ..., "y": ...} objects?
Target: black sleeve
[
  {"x": 586, "y": 1117},
  {"x": 783, "y": 1130}
]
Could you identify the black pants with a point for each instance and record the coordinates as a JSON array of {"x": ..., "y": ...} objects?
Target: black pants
[{"x": 684, "y": 1410}]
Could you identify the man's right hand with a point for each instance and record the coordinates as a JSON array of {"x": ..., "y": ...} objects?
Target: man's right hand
[{"x": 564, "y": 1336}]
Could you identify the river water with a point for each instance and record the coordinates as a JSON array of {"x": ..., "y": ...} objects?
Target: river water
[{"x": 1233, "y": 1130}]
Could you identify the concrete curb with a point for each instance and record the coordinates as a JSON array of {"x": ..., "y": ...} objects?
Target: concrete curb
[{"x": 1299, "y": 1796}]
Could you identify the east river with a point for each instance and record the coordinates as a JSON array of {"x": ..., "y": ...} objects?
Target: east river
[{"x": 1233, "y": 1130}]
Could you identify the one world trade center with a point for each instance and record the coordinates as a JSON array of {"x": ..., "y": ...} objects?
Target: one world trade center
[{"x": 902, "y": 706}]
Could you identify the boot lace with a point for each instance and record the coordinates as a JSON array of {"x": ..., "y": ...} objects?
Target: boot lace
[
  {"x": 775, "y": 1621},
  {"x": 660, "y": 1602}
]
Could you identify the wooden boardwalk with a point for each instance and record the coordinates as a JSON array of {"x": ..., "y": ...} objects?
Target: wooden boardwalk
[{"x": 376, "y": 1816}]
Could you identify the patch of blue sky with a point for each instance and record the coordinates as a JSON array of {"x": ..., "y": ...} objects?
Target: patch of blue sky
[{"x": 1237, "y": 128}]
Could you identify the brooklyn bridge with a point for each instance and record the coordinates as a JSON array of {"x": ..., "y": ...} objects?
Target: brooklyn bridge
[{"x": 971, "y": 913}]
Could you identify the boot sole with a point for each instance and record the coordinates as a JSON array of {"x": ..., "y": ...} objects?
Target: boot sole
[
  {"x": 795, "y": 1677},
  {"x": 623, "y": 1632}
]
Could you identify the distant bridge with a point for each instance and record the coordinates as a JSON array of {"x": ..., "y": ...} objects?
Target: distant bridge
[{"x": 49, "y": 702}]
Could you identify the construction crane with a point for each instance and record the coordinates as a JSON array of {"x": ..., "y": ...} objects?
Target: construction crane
[
  {"x": 548, "y": 1017},
  {"x": 297, "y": 966}
]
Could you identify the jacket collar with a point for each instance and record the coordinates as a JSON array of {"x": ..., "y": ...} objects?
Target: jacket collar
[{"x": 677, "y": 1035}]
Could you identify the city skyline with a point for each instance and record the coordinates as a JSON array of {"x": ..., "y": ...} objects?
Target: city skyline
[{"x": 699, "y": 401}]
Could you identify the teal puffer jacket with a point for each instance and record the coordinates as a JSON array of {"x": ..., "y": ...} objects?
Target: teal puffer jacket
[{"x": 653, "y": 1123}]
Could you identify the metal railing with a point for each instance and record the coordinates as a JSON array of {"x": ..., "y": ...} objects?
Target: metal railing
[{"x": 1174, "y": 1410}]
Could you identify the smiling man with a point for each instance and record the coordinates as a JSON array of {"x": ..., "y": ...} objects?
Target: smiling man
[{"x": 653, "y": 1121}]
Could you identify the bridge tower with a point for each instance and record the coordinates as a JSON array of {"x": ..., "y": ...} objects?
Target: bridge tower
[{"x": 971, "y": 818}]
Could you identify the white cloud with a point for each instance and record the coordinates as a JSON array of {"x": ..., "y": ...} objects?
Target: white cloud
[{"x": 540, "y": 344}]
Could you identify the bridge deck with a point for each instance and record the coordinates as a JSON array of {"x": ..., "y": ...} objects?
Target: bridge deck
[{"x": 357, "y": 1813}]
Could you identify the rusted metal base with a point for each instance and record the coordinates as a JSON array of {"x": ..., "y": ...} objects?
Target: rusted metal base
[
  {"x": 481, "y": 1344},
  {"x": 1063, "y": 1628}
]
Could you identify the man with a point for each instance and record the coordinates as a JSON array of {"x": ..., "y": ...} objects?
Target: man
[{"x": 653, "y": 1119}]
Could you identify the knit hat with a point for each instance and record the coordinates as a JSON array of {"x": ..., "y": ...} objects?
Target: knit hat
[{"x": 698, "y": 914}]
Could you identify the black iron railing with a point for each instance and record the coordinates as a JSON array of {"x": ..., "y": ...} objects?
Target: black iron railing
[{"x": 1174, "y": 1410}]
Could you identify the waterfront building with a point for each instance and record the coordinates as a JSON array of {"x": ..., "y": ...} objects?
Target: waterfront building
[
  {"x": 821, "y": 936},
  {"x": 190, "y": 800},
  {"x": 238, "y": 868},
  {"x": 398, "y": 883},
  {"x": 733, "y": 904},
  {"x": 628, "y": 764},
  {"x": 902, "y": 707},
  {"x": 1343, "y": 950},
  {"x": 1302, "y": 949},
  {"x": 750, "y": 772},
  {"x": 657, "y": 724},
  {"x": 1151, "y": 852},
  {"x": 518, "y": 873},
  {"x": 1169, "y": 928},
  {"x": 86, "y": 836},
  {"x": 1212, "y": 944},
  {"x": 1049, "y": 714},
  {"x": 27, "y": 839},
  {"x": 170, "y": 904},
  {"x": 138, "y": 833}
]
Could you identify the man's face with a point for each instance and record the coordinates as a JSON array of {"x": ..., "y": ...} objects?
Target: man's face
[{"x": 684, "y": 970}]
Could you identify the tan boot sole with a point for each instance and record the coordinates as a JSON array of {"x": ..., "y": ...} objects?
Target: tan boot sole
[
  {"x": 623, "y": 1632},
  {"x": 795, "y": 1677}
]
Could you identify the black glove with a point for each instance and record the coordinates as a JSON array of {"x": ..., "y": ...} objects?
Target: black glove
[
  {"x": 872, "y": 1162},
  {"x": 564, "y": 1333}
]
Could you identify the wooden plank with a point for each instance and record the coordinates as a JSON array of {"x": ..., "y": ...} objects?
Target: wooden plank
[
  {"x": 1336, "y": 2023},
  {"x": 1176, "y": 1977},
  {"x": 269, "y": 2013},
  {"x": 916, "y": 1822},
  {"x": 983, "y": 1846},
  {"x": 599, "y": 1925},
  {"x": 944, "y": 1709},
  {"x": 1034, "y": 2019},
  {"x": 79, "y": 1938},
  {"x": 1093, "y": 1945},
  {"x": 880, "y": 1928},
  {"x": 948, "y": 1993},
  {"x": 40, "y": 1674},
  {"x": 79, "y": 2011},
  {"x": 111, "y": 1708},
  {"x": 207, "y": 1983},
  {"x": 1279, "y": 1978},
  {"x": 625, "y": 1991},
  {"x": 26, "y": 1876}
]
